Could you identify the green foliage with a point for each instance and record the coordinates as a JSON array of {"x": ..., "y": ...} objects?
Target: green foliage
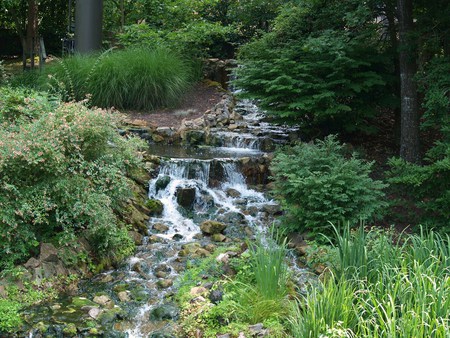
[
  {"x": 317, "y": 184},
  {"x": 9, "y": 315},
  {"x": 269, "y": 267},
  {"x": 393, "y": 291},
  {"x": 429, "y": 184},
  {"x": 320, "y": 72},
  {"x": 127, "y": 79},
  {"x": 21, "y": 104},
  {"x": 63, "y": 172}
]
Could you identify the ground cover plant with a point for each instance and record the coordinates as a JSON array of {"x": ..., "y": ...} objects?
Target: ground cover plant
[
  {"x": 64, "y": 173},
  {"x": 134, "y": 78}
]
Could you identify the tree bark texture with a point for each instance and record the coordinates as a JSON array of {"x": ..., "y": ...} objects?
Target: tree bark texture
[{"x": 409, "y": 138}]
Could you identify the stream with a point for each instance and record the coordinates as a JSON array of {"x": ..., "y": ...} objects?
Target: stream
[{"x": 195, "y": 184}]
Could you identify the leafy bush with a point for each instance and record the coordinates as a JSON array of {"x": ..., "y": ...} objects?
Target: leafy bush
[
  {"x": 63, "y": 172},
  {"x": 317, "y": 184},
  {"x": 131, "y": 79},
  {"x": 429, "y": 184}
]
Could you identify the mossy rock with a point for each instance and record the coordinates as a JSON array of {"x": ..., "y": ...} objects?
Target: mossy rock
[
  {"x": 80, "y": 302},
  {"x": 212, "y": 227},
  {"x": 162, "y": 182},
  {"x": 155, "y": 206}
]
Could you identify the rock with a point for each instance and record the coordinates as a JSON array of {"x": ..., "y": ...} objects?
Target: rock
[
  {"x": 160, "y": 227},
  {"x": 155, "y": 207},
  {"x": 224, "y": 336},
  {"x": 3, "y": 292},
  {"x": 210, "y": 247},
  {"x": 48, "y": 253},
  {"x": 81, "y": 302},
  {"x": 215, "y": 296},
  {"x": 32, "y": 263},
  {"x": 155, "y": 239},
  {"x": 212, "y": 227},
  {"x": 165, "y": 283},
  {"x": 94, "y": 312},
  {"x": 123, "y": 296},
  {"x": 136, "y": 237},
  {"x": 218, "y": 238},
  {"x": 70, "y": 330},
  {"x": 157, "y": 138},
  {"x": 194, "y": 137},
  {"x": 162, "y": 182},
  {"x": 196, "y": 291},
  {"x": 177, "y": 237},
  {"x": 272, "y": 209},
  {"x": 186, "y": 197},
  {"x": 202, "y": 253},
  {"x": 165, "y": 131},
  {"x": 233, "y": 193},
  {"x": 161, "y": 274},
  {"x": 163, "y": 268},
  {"x": 223, "y": 258},
  {"x": 188, "y": 249},
  {"x": 256, "y": 329},
  {"x": 104, "y": 300},
  {"x": 165, "y": 312},
  {"x": 233, "y": 127}
]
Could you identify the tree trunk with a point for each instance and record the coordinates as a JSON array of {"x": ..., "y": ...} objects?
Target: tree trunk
[
  {"x": 409, "y": 138},
  {"x": 32, "y": 29},
  {"x": 393, "y": 38}
]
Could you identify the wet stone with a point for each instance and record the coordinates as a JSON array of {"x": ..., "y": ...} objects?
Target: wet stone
[
  {"x": 162, "y": 183},
  {"x": 159, "y": 227},
  {"x": 165, "y": 312},
  {"x": 212, "y": 227},
  {"x": 165, "y": 283},
  {"x": 177, "y": 237}
]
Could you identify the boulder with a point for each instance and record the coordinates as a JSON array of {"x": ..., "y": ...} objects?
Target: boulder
[
  {"x": 186, "y": 197},
  {"x": 160, "y": 227},
  {"x": 165, "y": 312},
  {"x": 233, "y": 193},
  {"x": 212, "y": 227},
  {"x": 165, "y": 283},
  {"x": 162, "y": 182},
  {"x": 218, "y": 238},
  {"x": 155, "y": 207}
]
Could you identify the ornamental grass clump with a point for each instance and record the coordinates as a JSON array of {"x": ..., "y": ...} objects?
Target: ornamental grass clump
[
  {"x": 137, "y": 78},
  {"x": 317, "y": 184}
]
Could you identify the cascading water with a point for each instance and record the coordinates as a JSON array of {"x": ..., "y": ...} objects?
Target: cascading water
[
  {"x": 228, "y": 202},
  {"x": 194, "y": 186}
]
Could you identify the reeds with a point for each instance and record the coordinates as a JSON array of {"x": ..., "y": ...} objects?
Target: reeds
[{"x": 381, "y": 289}]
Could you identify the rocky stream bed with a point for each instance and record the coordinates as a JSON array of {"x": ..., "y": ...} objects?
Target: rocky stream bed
[{"x": 207, "y": 190}]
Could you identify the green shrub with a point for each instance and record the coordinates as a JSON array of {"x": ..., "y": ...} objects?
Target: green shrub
[
  {"x": 64, "y": 172},
  {"x": 317, "y": 184},
  {"x": 136, "y": 78}
]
